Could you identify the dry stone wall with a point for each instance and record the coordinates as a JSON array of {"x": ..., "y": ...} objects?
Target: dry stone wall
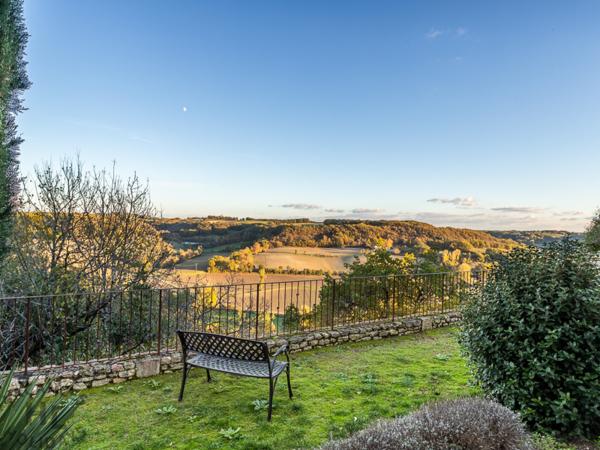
[{"x": 94, "y": 373}]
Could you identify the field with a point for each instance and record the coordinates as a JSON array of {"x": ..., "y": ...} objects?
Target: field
[
  {"x": 201, "y": 278},
  {"x": 313, "y": 258},
  {"x": 297, "y": 258}
]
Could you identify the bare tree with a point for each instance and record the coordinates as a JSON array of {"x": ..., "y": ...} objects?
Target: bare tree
[
  {"x": 84, "y": 236},
  {"x": 85, "y": 231}
]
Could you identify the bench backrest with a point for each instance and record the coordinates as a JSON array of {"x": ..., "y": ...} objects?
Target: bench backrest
[{"x": 224, "y": 346}]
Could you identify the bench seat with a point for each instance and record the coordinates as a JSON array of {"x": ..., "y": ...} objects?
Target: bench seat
[{"x": 258, "y": 369}]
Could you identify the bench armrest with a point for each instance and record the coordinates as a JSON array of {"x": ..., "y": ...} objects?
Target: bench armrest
[
  {"x": 280, "y": 350},
  {"x": 283, "y": 349}
]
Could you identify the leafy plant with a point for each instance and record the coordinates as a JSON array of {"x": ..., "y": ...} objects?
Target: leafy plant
[
  {"x": 408, "y": 380},
  {"x": 26, "y": 424},
  {"x": 546, "y": 442},
  {"x": 259, "y": 405},
  {"x": 218, "y": 388},
  {"x": 166, "y": 410},
  {"x": 230, "y": 433},
  {"x": 153, "y": 384},
  {"x": 369, "y": 382},
  {"x": 442, "y": 357},
  {"x": 533, "y": 337},
  {"x": 115, "y": 389}
]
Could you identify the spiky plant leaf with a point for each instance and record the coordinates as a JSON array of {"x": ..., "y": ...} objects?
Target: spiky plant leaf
[{"x": 27, "y": 424}]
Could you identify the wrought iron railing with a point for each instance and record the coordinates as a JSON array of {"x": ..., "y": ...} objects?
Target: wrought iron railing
[{"x": 70, "y": 328}]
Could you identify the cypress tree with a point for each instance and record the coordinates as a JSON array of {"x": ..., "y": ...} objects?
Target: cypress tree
[{"x": 13, "y": 82}]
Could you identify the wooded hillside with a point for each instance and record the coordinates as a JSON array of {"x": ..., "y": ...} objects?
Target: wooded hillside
[{"x": 407, "y": 235}]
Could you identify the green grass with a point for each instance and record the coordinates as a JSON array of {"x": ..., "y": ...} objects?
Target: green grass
[{"x": 338, "y": 390}]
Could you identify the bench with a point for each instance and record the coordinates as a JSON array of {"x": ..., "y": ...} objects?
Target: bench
[{"x": 237, "y": 356}]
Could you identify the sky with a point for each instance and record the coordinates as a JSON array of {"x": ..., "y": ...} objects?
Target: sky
[{"x": 477, "y": 114}]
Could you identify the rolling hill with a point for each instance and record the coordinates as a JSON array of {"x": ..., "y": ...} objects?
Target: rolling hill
[{"x": 219, "y": 235}]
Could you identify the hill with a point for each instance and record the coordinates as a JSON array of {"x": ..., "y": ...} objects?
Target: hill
[{"x": 220, "y": 235}]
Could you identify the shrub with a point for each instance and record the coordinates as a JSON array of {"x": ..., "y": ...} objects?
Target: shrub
[
  {"x": 592, "y": 235},
  {"x": 533, "y": 337},
  {"x": 27, "y": 424},
  {"x": 473, "y": 423}
]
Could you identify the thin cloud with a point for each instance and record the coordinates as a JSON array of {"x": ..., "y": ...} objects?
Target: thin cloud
[
  {"x": 138, "y": 138},
  {"x": 572, "y": 219},
  {"x": 333, "y": 210},
  {"x": 457, "y": 201},
  {"x": 483, "y": 220},
  {"x": 302, "y": 206},
  {"x": 569, "y": 213},
  {"x": 519, "y": 209},
  {"x": 435, "y": 217},
  {"x": 433, "y": 33},
  {"x": 367, "y": 210}
]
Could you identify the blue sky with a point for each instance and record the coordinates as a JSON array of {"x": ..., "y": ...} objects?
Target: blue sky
[{"x": 477, "y": 114}]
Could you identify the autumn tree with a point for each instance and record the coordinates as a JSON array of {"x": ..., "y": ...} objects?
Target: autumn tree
[
  {"x": 367, "y": 289},
  {"x": 85, "y": 232}
]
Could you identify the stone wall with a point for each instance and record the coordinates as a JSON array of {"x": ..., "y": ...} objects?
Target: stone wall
[{"x": 76, "y": 377}]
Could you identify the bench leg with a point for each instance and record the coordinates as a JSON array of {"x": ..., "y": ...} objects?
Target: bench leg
[
  {"x": 183, "y": 379},
  {"x": 208, "y": 378},
  {"x": 287, "y": 370},
  {"x": 271, "y": 389}
]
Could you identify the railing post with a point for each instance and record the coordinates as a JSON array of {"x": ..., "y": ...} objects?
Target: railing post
[
  {"x": 443, "y": 291},
  {"x": 27, "y": 325},
  {"x": 333, "y": 306},
  {"x": 394, "y": 293},
  {"x": 159, "y": 322},
  {"x": 257, "y": 298}
]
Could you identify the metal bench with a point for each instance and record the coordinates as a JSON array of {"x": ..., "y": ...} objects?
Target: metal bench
[{"x": 237, "y": 356}]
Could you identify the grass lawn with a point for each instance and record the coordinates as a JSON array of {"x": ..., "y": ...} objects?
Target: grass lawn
[{"x": 337, "y": 390}]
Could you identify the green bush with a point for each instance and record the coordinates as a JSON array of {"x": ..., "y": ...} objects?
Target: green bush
[
  {"x": 592, "y": 235},
  {"x": 533, "y": 337}
]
